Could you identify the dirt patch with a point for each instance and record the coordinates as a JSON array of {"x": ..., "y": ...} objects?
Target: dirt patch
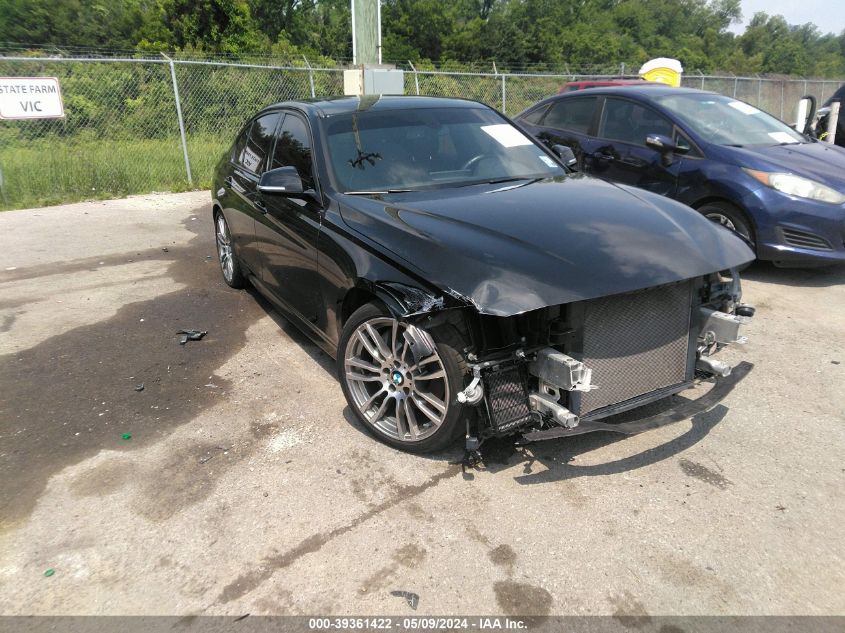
[
  {"x": 503, "y": 556},
  {"x": 630, "y": 612},
  {"x": 409, "y": 555},
  {"x": 516, "y": 598},
  {"x": 702, "y": 473}
]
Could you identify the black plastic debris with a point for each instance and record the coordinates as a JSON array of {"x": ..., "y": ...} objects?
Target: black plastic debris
[
  {"x": 412, "y": 598},
  {"x": 190, "y": 335}
]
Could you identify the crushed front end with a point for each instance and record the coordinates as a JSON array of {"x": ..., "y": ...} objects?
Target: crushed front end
[{"x": 556, "y": 371}]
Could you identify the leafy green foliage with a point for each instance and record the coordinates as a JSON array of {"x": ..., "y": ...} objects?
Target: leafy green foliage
[{"x": 515, "y": 33}]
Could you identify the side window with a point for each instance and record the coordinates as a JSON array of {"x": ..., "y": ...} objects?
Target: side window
[
  {"x": 293, "y": 148},
  {"x": 629, "y": 122},
  {"x": 238, "y": 147},
  {"x": 536, "y": 116},
  {"x": 683, "y": 142},
  {"x": 574, "y": 115},
  {"x": 255, "y": 142}
]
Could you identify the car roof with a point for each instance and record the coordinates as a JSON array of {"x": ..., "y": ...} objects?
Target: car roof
[
  {"x": 612, "y": 82},
  {"x": 330, "y": 106},
  {"x": 650, "y": 90},
  {"x": 642, "y": 91}
]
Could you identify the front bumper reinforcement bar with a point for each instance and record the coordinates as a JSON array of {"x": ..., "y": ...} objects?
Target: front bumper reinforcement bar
[{"x": 724, "y": 385}]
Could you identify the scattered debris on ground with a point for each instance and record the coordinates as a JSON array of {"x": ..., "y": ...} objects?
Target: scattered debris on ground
[
  {"x": 412, "y": 598},
  {"x": 190, "y": 335}
]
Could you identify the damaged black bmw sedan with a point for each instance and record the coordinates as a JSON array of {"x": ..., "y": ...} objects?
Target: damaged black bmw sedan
[{"x": 465, "y": 281}]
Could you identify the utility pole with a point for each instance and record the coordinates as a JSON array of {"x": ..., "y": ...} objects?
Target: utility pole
[
  {"x": 366, "y": 32},
  {"x": 368, "y": 75}
]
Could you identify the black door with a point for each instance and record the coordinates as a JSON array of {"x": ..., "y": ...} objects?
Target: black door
[
  {"x": 288, "y": 229},
  {"x": 620, "y": 154},
  {"x": 249, "y": 155},
  {"x": 568, "y": 122}
]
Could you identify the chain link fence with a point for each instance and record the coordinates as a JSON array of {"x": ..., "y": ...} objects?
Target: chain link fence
[
  {"x": 777, "y": 96},
  {"x": 122, "y": 132},
  {"x": 140, "y": 125}
]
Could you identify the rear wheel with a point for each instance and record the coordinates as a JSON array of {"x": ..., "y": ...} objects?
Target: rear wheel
[
  {"x": 229, "y": 265},
  {"x": 405, "y": 400}
]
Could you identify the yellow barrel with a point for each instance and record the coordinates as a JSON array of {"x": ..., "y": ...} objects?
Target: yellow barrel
[{"x": 663, "y": 69}]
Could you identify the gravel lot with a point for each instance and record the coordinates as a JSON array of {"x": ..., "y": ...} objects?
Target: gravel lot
[{"x": 248, "y": 487}]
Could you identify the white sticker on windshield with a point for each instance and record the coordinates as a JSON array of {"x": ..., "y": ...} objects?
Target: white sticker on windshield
[
  {"x": 549, "y": 162},
  {"x": 506, "y": 135},
  {"x": 743, "y": 107},
  {"x": 782, "y": 137}
]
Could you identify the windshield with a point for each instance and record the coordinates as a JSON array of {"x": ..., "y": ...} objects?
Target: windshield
[
  {"x": 429, "y": 148},
  {"x": 726, "y": 121}
]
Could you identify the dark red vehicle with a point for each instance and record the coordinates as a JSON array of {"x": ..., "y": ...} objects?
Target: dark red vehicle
[{"x": 600, "y": 83}]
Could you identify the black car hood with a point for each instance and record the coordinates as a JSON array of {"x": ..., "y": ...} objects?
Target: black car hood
[
  {"x": 818, "y": 161},
  {"x": 509, "y": 249}
]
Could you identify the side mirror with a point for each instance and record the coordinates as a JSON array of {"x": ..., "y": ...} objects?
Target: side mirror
[
  {"x": 664, "y": 144},
  {"x": 806, "y": 114},
  {"x": 284, "y": 181},
  {"x": 566, "y": 155}
]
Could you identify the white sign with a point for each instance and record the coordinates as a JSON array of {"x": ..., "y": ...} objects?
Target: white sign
[
  {"x": 743, "y": 107},
  {"x": 30, "y": 98},
  {"x": 506, "y": 134}
]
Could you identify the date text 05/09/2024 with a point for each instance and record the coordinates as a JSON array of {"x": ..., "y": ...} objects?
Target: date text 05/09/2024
[{"x": 416, "y": 624}]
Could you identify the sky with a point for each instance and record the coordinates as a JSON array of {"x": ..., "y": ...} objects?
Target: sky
[{"x": 828, "y": 15}]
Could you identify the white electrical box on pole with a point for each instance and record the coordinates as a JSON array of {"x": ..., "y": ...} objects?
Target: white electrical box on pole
[{"x": 369, "y": 76}]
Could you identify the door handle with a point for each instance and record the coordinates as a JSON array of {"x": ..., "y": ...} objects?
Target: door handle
[
  {"x": 259, "y": 204},
  {"x": 603, "y": 156}
]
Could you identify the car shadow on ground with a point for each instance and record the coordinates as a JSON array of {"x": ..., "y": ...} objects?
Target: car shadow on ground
[
  {"x": 553, "y": 460},
  {"x": 821, "y": 277}
]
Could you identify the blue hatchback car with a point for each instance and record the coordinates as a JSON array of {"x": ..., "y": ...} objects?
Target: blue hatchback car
[{"x": 741, "y": 167}]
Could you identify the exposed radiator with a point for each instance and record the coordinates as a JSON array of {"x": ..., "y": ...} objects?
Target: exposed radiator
[
  {"x": 507, "y": 400},
  {"x": 636, "y": 343}
]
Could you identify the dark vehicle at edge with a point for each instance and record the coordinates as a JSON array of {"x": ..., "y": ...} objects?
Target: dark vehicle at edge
[
  {"x": 737, "y": 165},
  {"x": 465, "y": 281}
]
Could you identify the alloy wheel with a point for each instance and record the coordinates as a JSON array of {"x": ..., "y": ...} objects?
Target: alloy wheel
[
  {"x": 728, "y": 223},
  {"x": 224, "y": 248},
  {"x": 404, "y": 398}
]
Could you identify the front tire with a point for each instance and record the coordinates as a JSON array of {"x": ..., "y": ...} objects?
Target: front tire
[
  {"x": 730, "y": 217},
  {"x": 408, "y": 404}
]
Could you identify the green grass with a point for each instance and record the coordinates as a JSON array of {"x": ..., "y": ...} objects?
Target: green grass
[{"x": 58, "y": 170}]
